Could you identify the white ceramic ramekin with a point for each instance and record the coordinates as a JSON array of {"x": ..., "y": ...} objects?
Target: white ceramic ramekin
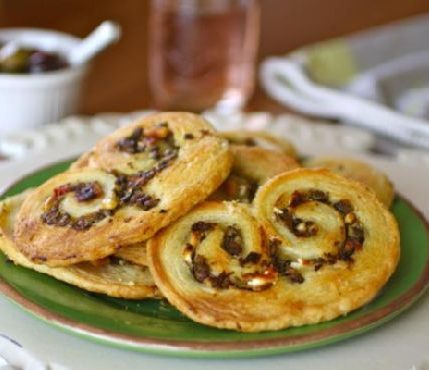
[{"x": 31, "y": 100}]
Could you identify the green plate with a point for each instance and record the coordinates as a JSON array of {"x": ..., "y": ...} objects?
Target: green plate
[{"x": 154, "y": 326}]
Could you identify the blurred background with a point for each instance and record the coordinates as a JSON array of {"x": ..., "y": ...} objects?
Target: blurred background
[{"x": 119, "y": 78}]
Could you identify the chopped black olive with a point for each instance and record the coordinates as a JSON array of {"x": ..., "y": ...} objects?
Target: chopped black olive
[
  {"x": 343, "y": 206},
  {"x": 85, "y": 222},
  {"x": 144, "y": 201},
  {"x": 55, "y": 217},
  {"x": 284, "y": 268},
  {"x": 318, "y": 263},
  {"x": 318, "y": 195},
  {"x": 281, "y": 265},
  {"x": 296, "y": 225},
  {"x": 202, "y": 226},
  {"x": 355, "y": 231},
  {"x": 348, "y": 249},
  {"x": 82, "y": 224},
  {"x": 296, "y": 199},
  {"x": 89, "y": 191},
  {"x": 132, "y": 143},
  {"x": 252, "y": 257},
  {"x": 220, "y": 281},
  {"x": 295, "y": 277},
  {"x": 232, "y": 241},
  {"x": 285, "y": 216},
  {"x": 201, "y": 269}
]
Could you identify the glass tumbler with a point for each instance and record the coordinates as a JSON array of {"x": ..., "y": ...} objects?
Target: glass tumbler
[{"x": 202, "y": 53}]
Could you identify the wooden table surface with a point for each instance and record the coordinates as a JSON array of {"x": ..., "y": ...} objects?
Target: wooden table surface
[{"x": 118, "y": 80}]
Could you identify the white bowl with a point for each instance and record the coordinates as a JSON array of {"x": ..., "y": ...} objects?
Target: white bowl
[{"x": 30, "y": 100}]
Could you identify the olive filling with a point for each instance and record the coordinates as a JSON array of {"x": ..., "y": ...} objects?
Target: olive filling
[
  {"x": 296, "y": 225},
  {"x": 129, "y": 191},
  {"x": 232, "y": 243},
  {"x": 239, "y": 188},
  {"x": 89, "y": 191},
  {"x": 354, "y": 232},
  {"x": 83, "y": 192},
  {"x": 157, "y": 141},
  {"x": 282, "y": 266}
]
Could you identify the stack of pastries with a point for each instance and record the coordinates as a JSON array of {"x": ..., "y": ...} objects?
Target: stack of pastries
[{"x": 231, "y": 228}]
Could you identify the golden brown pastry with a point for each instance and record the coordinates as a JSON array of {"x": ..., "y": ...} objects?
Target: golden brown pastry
[
  {"x": 158, "y": 169},
  {"x": 175, "y": 140},
  {"x": 260, "y": 139},
  {"x": 319, "y": 246},
  {"x": 69, "y": 219},
  {"x": 359, "y": 171},
  {"x": 112, "y": 276},
  {"x": 252, "y": 166},
  {"x": 83, "y": 161},
  {"x": 136, "y": 254}
]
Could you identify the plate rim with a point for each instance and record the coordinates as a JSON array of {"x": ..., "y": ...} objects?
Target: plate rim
[{"x": 226, "y": 348}]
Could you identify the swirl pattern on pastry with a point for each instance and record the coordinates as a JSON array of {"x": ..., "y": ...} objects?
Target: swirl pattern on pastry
[
  {"x": 319, "y": 247},
  {"x": 135, "y": 182},
  {"x": 359, "y": 171},
  {"x": 112, "y": 276},
  {"x": 252, "y": 166},
  {"x": 261, "y": 139},
  {"x": 215, "y": 246}
]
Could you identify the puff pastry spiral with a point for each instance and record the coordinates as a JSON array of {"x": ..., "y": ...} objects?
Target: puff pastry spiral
[
  {"x": 316, "y": 247},
  {"x": 112, "y": 276},
  {"x": 134, "y": 182}
]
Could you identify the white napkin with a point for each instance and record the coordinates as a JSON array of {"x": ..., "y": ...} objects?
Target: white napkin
[{"x": 354, "y": 80}]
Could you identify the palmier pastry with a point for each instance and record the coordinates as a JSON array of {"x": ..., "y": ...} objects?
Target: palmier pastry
[
  {"x": 318, "y": 247},
  {"x": 168, "y": 142},
  {"x": 252, "y": 166},
  {"x": 260, "y": 139},
  {"x": 112, "y": 276},
  {"x": 87, "y": 214},
  {"x": 359, "y": 171}
]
